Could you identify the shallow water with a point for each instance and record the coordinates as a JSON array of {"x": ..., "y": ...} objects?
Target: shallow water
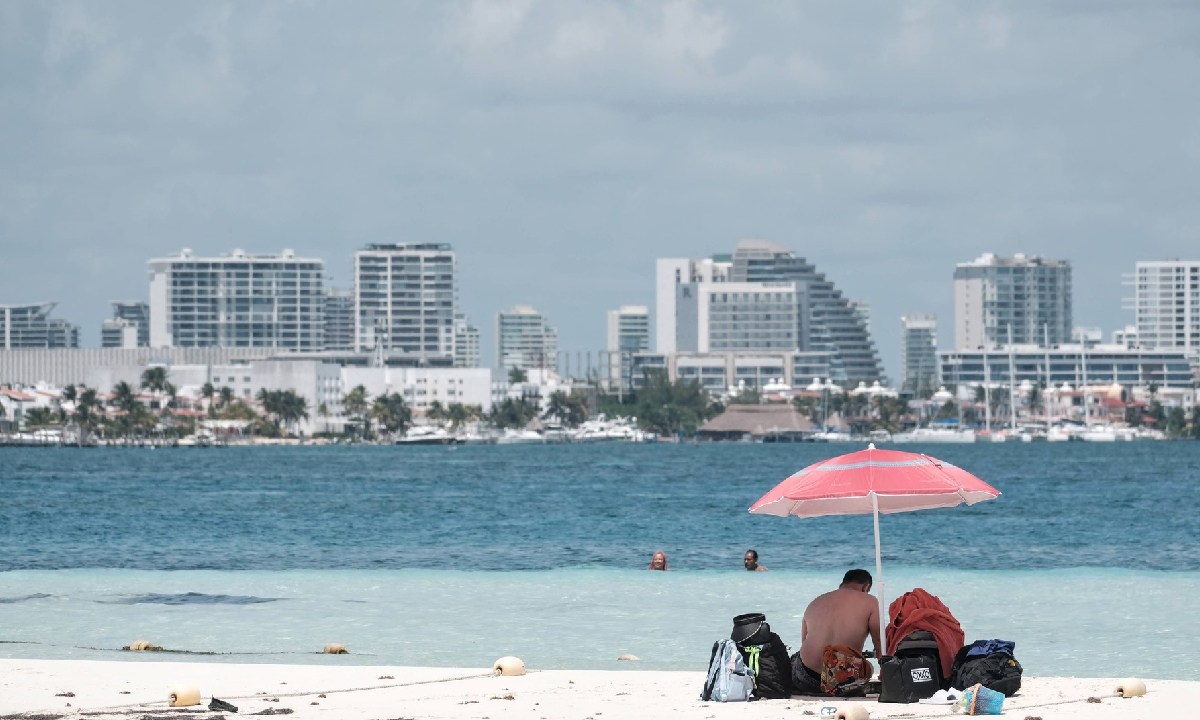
[{"x": 427, "y": 556}]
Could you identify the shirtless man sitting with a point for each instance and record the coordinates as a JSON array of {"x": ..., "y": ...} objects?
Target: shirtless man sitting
[{"x": 842, "y": 617}]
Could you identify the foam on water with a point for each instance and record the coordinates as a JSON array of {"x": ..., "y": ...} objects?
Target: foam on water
[{"x": 1082, "y": 622}]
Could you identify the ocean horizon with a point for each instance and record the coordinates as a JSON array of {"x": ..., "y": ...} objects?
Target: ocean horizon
[{"x": 425, "y": 556}]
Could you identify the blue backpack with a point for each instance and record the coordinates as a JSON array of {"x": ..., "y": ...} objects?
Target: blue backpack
[{"x": 729, "y": 680}]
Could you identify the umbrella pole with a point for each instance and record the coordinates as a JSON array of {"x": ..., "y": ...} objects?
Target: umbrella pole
[{"x": 883, "y": 617}]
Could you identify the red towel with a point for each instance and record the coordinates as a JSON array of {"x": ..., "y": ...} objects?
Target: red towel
[{"x": 918, "y": 610}]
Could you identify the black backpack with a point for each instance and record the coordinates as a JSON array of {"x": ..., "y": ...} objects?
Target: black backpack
[
  {"x": 765, "y": 654},
  {"x": 997, "y": 671},
  {"x": 914, "y": 672}
]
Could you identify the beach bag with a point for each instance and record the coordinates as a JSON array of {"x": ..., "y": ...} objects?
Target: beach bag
[
  {"x": 914, "y": 672},
  {"x": 729, "y": 679},
  {"x": 997, "y": 671},
  {"x": 765, "y": 655},
  {"x": 844, "y": 671}
]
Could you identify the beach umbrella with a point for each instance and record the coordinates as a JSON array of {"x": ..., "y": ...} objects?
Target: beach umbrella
[{"x": 877, "y": 482}]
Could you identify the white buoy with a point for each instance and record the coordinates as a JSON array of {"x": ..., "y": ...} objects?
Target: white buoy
[
  {"x": 509, "y": 665},
  {"x": 1130, "y": 687},
  {"x": 183, "y": 696},
  {"x": 852, "y": 712},
  {"x": 628, "y": 656}
]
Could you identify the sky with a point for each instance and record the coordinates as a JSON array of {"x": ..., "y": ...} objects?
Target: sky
[{"x": 561, "y": 146}]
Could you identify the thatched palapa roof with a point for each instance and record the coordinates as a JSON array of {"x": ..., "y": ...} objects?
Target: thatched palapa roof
[{"x": 757, "y": 421}]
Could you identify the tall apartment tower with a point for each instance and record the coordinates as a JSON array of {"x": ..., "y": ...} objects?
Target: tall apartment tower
[
  {"x": 339, "y": 320},
  {"x": 525, "y": 341},
  {"x": 918, "y": 354},
  {"x": 1027, "y": 299},
  {"x": 405, "y": 299},
  {"x": 30, "y": 326},
  {"x": 238, "y": 300},
  {"x": 628, "y": 333},
  {"x": 128, "y": 327},
  {"x": 466, "y": 343},
  {"x": 1167, "y": 304}
]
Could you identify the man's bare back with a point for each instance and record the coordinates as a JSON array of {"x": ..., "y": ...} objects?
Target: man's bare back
[{"x": 842, "y": 617}]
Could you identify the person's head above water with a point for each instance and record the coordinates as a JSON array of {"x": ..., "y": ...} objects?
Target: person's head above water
[
  {"x": 857, "y": 579},
  {"x": 658, "y": 561},
  {"x": 750, "y": 560}
]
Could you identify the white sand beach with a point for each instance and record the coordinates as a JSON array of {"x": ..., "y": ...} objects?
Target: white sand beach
[{"x": 136, "y": 688}]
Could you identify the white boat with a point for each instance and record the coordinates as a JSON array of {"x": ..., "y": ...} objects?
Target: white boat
[
  {"x": 833, "y": 436},
  {"x": 603, "y": 430},
  {"x": 1059, "y": 433},
  {"x": 935, "y": 435},
  {"x": 426, "y": 435},
  {"x": 1099, "y": 433},
  {"x": 512, "y": 436},
  {"x": 995, "y": 436}
]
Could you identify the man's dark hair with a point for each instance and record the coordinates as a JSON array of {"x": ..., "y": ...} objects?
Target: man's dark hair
[
  {"x": 857, "y": 576},
  {"x": 753, "y": 552}
]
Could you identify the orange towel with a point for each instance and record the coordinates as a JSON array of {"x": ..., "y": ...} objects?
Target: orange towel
[{"x": 919, "y": 610}]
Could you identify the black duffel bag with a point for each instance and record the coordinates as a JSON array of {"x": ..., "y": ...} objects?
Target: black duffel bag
[
  {"x": 914, "y": 672},
  {"x": 997, "y": 671},
  {"x": 765, "y": 655}
]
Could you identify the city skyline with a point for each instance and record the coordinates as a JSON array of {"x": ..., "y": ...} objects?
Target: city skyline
[{"x": 562, "y": 148}]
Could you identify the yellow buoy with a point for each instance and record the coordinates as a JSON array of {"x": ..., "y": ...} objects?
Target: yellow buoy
[
  {"x": 1130, "y": 687},
  {"x": 183, "y": 696},
  {"x": 509, "y": 665},
  {"x": 335, "y": 649}
]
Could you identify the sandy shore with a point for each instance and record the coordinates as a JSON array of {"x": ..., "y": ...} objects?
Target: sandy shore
[{"x": 137, "y": 689}]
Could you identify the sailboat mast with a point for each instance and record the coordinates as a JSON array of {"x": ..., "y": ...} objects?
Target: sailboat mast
[{"x": 1012, "y": 385}]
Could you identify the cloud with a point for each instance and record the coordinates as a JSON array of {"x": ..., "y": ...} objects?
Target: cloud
[{"x": 565, "y": 145}]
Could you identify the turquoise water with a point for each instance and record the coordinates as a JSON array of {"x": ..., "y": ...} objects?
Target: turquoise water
[{"x": 425, "y": 556}]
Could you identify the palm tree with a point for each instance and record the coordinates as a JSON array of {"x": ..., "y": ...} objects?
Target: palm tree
[
  {"x": 460, "y": 415},
  {"x": 392, "y": 413},
  {"x": 87, "y": 408},
  {"x": 207, "y": 391},
  {"x": 436, "y": 412},
  {"x": 355, "y": 404},
  {"x": 39, "y": 417},
  {"x": 154, "y": 379},
  {"x": 226, "y": 395},
  {"x": 517, "y": 375}
]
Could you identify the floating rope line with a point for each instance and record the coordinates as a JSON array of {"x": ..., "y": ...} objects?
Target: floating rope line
[{"x": 105, "y": 709}]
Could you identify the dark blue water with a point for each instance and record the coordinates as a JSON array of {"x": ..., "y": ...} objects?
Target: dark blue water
[{"x": 1123, "y": 505}]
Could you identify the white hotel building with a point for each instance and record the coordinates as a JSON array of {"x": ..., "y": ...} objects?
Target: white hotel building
[
  {"x": 405, "y": 298},
  {"x": 1167, "y": 305},
  {"x": 238, "y": 301}
]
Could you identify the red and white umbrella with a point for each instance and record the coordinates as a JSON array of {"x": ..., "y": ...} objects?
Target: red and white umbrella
[{"x": 874, "y": 481}]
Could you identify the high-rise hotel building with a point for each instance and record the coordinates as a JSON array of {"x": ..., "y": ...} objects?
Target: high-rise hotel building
[
  {"x": 1167, "y": 304},
  {"x": 1023, "y": 300},
  {"x": 918, "y": 354},
  {"x": 405, "y": 298},
  {"x": 237, "y": 300},
  {"x": 30, "y": 326},
  {"x": 525, "y": 341}
]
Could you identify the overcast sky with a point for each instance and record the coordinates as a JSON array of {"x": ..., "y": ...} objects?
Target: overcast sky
[{"x": 561, "y": 146}]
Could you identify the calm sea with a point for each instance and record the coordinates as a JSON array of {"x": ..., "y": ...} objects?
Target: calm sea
[{"x": 1089, "y": 560}]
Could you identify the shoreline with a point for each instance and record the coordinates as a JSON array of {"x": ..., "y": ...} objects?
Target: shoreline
[{"x": 124, "y": 688}]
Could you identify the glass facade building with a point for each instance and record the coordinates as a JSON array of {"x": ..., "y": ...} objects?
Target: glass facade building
[
  {"x": 1019, "y": 300},
  {"x": 1167, "y": 304},
  {"x": 525, "y": 341},
  {"x": 30, "y": 326},
  {"x": 405, "y": 299},
  {"x": 238, "y": 300}
]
